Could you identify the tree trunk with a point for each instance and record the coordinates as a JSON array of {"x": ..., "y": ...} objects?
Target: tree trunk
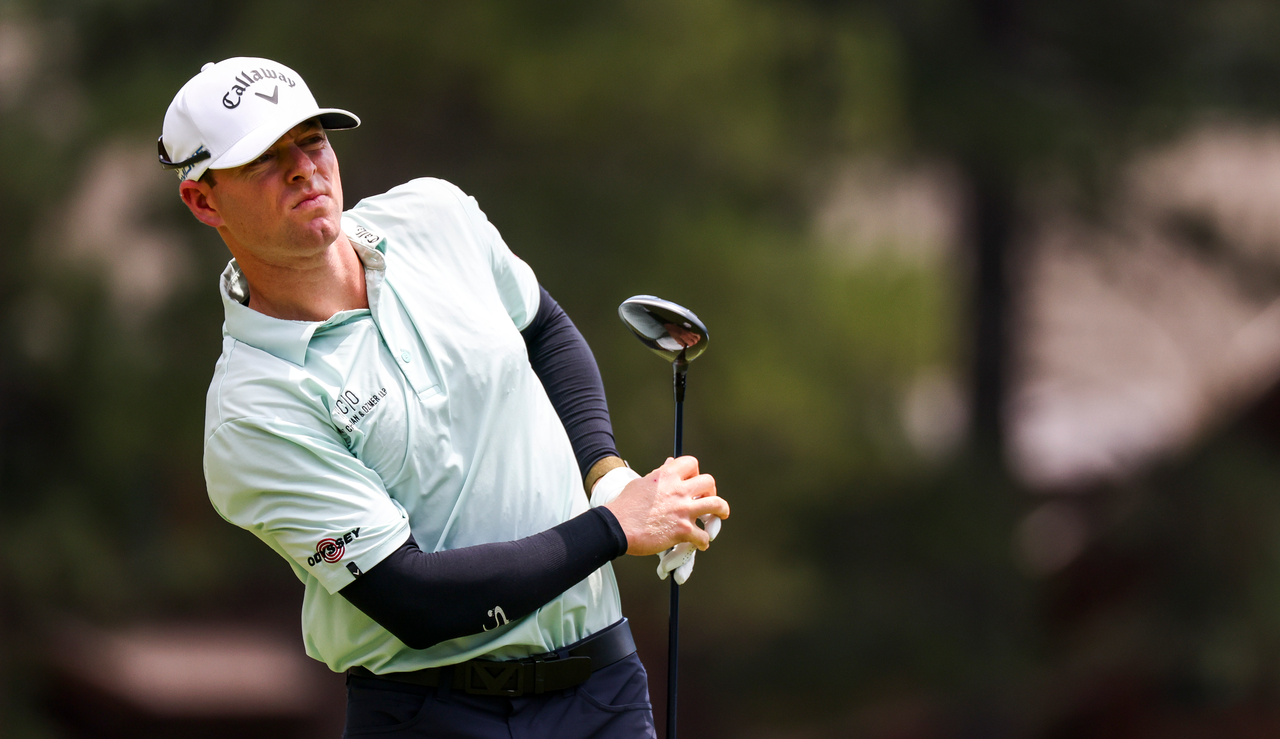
[{"x": 990, "y": 232}]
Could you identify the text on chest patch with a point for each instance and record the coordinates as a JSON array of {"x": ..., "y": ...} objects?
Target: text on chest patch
[{"x": 354, "y": 408}]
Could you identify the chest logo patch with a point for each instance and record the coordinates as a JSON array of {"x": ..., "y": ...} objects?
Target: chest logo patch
[{"x": 355, "y": 408}]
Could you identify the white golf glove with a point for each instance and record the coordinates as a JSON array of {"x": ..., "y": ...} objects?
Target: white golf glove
[
  {"x": 610, "y": 485},
  {"x": 678, "y": 558}
]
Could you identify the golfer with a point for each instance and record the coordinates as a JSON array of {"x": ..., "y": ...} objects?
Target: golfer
[{"x": 405, "y": 416}]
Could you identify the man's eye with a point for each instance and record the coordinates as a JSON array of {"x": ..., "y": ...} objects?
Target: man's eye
[{"x": 266, "y": 157}]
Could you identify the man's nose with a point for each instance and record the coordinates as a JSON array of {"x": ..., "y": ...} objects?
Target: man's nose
[{"x": 300, "y": 165}]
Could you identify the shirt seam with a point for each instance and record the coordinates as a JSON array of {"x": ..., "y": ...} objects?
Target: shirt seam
[
  {"x": 264, "y": 421},
  {"x": 487, "y": 241},
  {"x": 226, "y": 370},
  {"x": 476, "y": 228}
]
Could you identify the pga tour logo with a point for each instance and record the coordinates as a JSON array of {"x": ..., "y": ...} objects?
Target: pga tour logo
[{"x": 331, "y": 550}]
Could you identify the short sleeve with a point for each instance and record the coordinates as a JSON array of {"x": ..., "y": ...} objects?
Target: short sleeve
[
  {"x": 305, "y": 495},
  {"x": 517, "y": 284}
]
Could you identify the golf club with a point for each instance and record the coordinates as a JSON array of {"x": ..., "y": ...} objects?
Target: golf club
[{"x": 674, "y": 333}]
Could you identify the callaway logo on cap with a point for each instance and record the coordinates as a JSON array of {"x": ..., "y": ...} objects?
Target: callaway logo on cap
[{"x": 233, "y": 111}]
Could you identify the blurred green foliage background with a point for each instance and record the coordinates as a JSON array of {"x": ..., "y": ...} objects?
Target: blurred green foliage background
[{"x": 863, "y": 587}]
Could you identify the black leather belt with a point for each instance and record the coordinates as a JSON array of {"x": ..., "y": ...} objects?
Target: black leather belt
[{"x": 534, "y": 675}]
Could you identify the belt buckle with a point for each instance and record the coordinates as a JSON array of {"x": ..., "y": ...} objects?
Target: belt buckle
[
  {"x": 540, "y": 675},
  {"x": 493, "y": 677}
]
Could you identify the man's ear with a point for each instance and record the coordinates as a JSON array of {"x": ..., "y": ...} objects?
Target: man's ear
[{"x": 195, "y": 195}]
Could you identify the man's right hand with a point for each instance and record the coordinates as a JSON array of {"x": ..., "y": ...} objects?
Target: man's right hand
[{"x": 661, "y": 509}]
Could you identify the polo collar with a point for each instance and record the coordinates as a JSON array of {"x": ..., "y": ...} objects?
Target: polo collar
[{"x": 288, "y": 340}]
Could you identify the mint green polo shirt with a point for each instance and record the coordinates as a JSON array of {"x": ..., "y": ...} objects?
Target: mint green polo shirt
[{"x": 332, "y": 441}]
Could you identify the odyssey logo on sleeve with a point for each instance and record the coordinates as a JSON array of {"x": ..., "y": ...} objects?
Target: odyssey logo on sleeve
[{"x": 332, "y": 550}]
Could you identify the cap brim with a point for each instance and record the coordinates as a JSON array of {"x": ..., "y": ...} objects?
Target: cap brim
[
  {"x": 335, "y": 119},
  {"x": 252, "y": 145}
]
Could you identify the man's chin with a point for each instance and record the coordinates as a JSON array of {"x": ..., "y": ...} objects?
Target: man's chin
[{"x": 323, "y": 228}]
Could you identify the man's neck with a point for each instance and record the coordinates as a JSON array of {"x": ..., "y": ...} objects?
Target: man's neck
[{"x": 315, "y": 291}]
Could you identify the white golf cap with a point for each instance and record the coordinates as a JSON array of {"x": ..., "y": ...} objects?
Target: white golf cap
[{"x": 233, "y": 111}]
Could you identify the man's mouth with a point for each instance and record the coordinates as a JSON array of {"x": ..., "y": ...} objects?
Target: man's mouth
[{"x": 310, "y": 199}]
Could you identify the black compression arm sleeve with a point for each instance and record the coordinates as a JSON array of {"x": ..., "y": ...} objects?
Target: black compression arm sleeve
[
  {"x": 424, "y": 598},
  {"x": 564, "y": 363}
]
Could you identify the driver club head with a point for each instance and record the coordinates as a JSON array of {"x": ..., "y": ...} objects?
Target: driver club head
[{"x": 668, "y": 329}]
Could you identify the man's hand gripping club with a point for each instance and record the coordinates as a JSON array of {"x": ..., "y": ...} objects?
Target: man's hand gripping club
[{"x": 659, "y": 512}]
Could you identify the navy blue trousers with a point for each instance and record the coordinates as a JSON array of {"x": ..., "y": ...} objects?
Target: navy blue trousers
[{"x": 612, "y": 704}]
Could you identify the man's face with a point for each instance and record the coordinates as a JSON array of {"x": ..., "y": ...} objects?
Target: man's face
[{"x": 283, "y": 208}]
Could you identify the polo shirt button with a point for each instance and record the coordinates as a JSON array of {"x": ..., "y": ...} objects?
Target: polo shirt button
[{"x": 405, "y": 357}]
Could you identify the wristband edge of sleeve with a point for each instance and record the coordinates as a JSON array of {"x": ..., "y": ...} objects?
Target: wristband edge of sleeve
[{"x": 615, "y": 530}]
